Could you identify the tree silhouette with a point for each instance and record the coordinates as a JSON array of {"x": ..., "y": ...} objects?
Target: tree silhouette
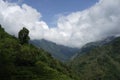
[{"x": 23, "y": 36}]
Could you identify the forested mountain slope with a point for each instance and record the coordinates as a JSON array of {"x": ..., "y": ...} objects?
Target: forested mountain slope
[
  {"x": 26, "y": 62},
  {"x": 100, "y": 63}
]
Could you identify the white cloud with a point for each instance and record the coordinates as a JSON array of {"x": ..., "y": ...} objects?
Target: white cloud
[
  {"x": 75, "y": 30},
  {"x": 95, "y": 23},
  {"x": 13, "y": 17}
]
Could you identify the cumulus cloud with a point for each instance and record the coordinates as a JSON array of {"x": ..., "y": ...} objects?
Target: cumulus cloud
[
  {"x": 95, "y": 23},
  {"x": 75, "y": 30},
  {"x": 13, "y": 17}
]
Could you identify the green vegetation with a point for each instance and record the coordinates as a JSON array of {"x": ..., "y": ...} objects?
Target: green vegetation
[
  {"x": 100, "y": 63},
  {"x": 23, "y": 36},
  {"x": 19, "y": 61},
  {"x": 22, "y": 61}
]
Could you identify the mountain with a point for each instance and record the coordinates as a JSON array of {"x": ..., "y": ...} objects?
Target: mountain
[
  {"x": 26, "y": 62},
  {"x": 89, "y": 46},
  {"x": 59, "y": 52},
  {"x": 99, "y": 63}
]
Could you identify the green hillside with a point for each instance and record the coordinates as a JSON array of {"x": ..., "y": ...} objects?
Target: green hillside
[
  {"x": 23, "y": 61},
  {"x": 26, "y": 62},
  {"x": 100, "y": 63}
]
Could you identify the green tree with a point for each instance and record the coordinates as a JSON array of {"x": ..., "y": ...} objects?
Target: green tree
[
  {"x": 23, "y": 36},
  {"x": 0, "y": 26}
]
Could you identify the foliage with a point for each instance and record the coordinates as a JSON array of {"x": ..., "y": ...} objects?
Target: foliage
[
  {"x": 26, "y": 62},
  {"x": 23, "y": 36}
]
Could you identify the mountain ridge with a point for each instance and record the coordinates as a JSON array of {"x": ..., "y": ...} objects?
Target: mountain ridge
[
  {"x": 89, "y": 46},
  {"x": 100, "y": 63},
  {"x": 60, "y": 52}
]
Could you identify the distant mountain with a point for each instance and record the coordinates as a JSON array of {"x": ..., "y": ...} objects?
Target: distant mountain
[
  {"x": 60, "y": 52},
  {"x": 99, "y": 63},
  {"x": 89, "y": 46},
  {"x": 27, "y": 62}
]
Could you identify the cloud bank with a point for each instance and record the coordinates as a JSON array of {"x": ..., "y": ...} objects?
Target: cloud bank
[{"x": 74, "y": 30}]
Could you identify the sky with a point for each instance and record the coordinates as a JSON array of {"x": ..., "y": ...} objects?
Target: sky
[
  {"x": 52, "y": 9},
  {"x": 70, "y": 23}
]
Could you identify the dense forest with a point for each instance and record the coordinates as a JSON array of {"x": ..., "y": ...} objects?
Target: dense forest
[
  {"x": 99, "y": 63},
  {"x": 20, "y": 60}
]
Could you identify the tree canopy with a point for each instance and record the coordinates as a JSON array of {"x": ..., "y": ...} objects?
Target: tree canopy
[{"x": 24, "y": 35}]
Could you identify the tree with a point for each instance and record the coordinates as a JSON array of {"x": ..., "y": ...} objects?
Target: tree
[
  {"x": 0, "y": 26},
  {"x": 23, "y": 36}
]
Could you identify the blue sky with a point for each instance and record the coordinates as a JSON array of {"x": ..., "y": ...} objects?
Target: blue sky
[
  {"x": 80, "y": 21},
  {"x": 50, "y": 9}
]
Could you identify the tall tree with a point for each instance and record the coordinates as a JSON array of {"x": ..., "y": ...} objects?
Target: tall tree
[{"x": 24, "y": 35}]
